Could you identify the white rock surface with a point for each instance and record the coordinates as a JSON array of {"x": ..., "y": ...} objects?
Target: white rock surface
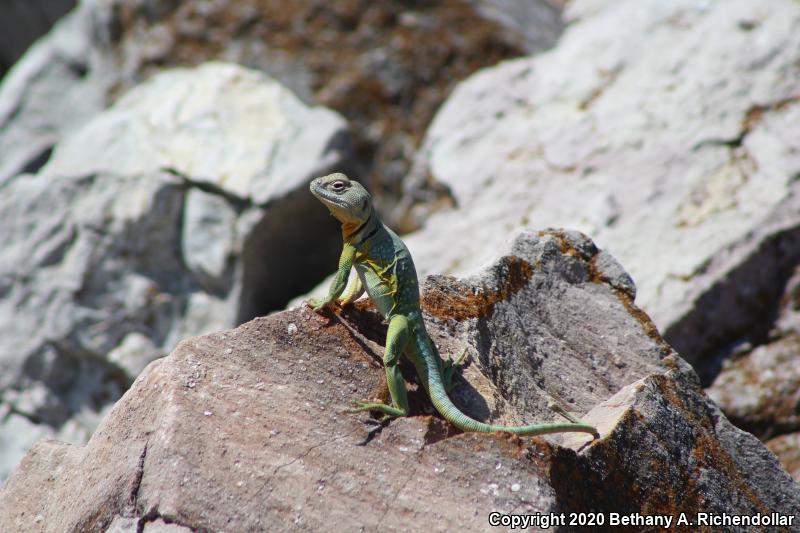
[
  {"x": 107, "y": 261},
  {"x": 668, "y": 131},
  {"x": 219, "y": 123},
  {"x": 208, "y": 234},
  {"x": 59, "y": 84}
]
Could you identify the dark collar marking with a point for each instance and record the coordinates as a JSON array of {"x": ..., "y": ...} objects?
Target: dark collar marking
[
  {"x": 369, "y": 235},
  {"x": 363, "y": 224}
]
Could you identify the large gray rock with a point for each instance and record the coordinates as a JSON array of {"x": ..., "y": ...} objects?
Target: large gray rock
[
  {"x": 225, "y": 126},
  {"x": 109, "y": 261},
  {"x": 787, "y": 449},
  {"x": 666, "y": 130},
  {"x": 60, "y": 83},
  {"x": 385, "y": 66},
  {"x": 759, "y": 388},
  {"x": 243, "y": 431}
]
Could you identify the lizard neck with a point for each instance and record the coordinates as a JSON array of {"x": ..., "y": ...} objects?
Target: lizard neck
[{"x": 354, "y": 233}]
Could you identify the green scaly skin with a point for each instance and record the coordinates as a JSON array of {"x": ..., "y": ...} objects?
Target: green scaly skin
[{"x": 384, "y": 267}]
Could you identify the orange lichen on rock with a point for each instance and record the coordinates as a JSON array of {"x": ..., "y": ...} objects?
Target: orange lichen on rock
[{"x": 455, "y": 300}]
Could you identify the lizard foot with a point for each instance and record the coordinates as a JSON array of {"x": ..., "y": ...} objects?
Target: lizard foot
[
  {"x": 318, "y": 304},
  {"x": 450, "y": 368},
  {"x": 563, "y": 412},
  {"x": 389, "y": 410}
]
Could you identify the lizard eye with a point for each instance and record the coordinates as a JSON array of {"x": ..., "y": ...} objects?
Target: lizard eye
[{"x": 337, "y": 185}]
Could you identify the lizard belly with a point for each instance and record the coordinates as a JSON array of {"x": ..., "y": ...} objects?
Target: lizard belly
[{"x": 379, "y": 290}]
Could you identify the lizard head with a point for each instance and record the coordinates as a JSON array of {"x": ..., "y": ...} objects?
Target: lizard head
[{"x": 347, "y": 200}]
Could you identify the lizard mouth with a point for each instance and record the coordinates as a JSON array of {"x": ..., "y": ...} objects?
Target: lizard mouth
[{"x": 327, "y": 197}]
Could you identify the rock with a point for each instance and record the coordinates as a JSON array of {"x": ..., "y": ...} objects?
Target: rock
[
  {"x": 535, "y": 24},
  {"x": 758, "y": 388},
  {"x": 18, "y": 435},
  {"x": 572, "y": 362},
  {"x": 664, "y": 130},
  {"x": 242, "y": 430},
  {"x": 227, "y": 127},
  {"x": 134, "y": 353},
  {"x": 759, "y": 391},
  {"x": 96, "y": 269},
  {"x": 59, "y": 84},
  {"x": 23, "y": 22},
  {"x": 385, "y": 66},
  {"x": 129, "y": 525},
  {"x": 108, "y": 261},
  {"x": 787, "y": 449}
]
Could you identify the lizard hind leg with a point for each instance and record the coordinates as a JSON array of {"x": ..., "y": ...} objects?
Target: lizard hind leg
[
  {"x": 396, "y": 343},
  {"x": 563, "y": 412},
  {"x": 450, "y": 368}
]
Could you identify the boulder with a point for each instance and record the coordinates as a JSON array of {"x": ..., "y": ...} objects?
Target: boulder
[
  {"x": 385, "y": 66},
  {"x": 59, "y": 84},
  {"x": 787, "y": 449},
  {"x": 183, "y": 209},
  {"x": 222, "y": 151},
  {"x": 667, "y": 131},
  {"x": 243, "y": 430},
  {"x": 230, "y": 129},
  {"x": 757, "y": 388}
]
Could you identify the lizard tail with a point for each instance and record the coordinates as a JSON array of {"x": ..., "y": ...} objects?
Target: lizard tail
[{"x": 452, "y": 414}]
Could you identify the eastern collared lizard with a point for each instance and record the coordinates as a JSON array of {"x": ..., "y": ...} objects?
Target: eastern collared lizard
[{"x": 384, "y": 268}]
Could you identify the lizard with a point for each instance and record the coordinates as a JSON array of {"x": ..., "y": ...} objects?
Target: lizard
[{"x": 384, "y": 268}]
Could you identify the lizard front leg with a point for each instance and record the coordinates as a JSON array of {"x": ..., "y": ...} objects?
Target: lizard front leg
[
  {"x": 396, "y": 344},
  {"x": 339, "y": 280},
  {"x": 354, "y": 290}
]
